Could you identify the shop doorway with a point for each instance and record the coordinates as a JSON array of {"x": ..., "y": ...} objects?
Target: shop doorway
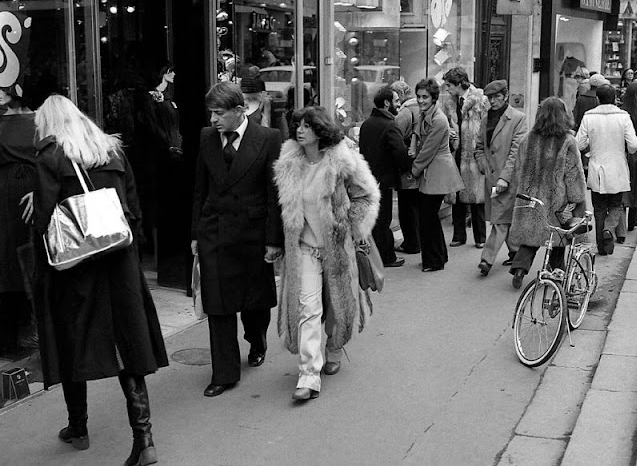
[{"x": 493, "y": 44}]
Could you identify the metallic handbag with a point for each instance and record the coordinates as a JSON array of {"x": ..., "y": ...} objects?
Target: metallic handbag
[{"x": 85, "y": 225}]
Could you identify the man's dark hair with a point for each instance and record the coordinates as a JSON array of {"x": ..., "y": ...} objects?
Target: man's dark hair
[
  {"x": 431, "y": 86},
  {"x": 224, "y": 95},
  {"x": 606, "y": 94},
  {"x": 318, "y": 119},
  {"x": 385, "y": 93},
  {"x": 457, "y": 76}
]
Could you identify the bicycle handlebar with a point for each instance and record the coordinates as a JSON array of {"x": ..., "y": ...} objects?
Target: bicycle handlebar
[{"x": 588, "y": 216}]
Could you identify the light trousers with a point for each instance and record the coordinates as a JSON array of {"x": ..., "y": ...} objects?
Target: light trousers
[
  {"x": 499, "y": 235},
  {"x": 310, "y": 328}
]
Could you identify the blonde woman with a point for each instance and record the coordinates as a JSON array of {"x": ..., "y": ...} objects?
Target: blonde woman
[{"x": 96, "y": 319}]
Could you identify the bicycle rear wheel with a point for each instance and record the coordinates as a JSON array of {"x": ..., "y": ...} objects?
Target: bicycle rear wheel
[
  {"x": 580, "y": 285},
  {"x": 539, "y": 321}
]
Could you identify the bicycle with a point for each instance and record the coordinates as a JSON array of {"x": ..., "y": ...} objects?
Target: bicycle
[{"x": 556, "y": 299}]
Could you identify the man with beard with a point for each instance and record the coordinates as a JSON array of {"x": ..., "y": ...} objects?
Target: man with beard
[{"x": 381, "y": 143}]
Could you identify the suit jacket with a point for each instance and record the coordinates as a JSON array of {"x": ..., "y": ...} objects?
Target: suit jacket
[
  {"x": 497, "y": 160},
  {"x": 235, "y": 215}
]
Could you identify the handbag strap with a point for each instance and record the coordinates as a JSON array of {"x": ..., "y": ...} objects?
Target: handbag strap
[{"x": 78, "y": 172}]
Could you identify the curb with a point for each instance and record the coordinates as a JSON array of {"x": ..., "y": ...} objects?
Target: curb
[{"x": 605, "y": 429}]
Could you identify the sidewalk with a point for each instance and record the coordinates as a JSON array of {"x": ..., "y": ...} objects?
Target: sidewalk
[{"x": 607, "y": 424}]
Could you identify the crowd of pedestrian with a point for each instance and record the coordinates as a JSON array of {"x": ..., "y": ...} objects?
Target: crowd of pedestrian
[{"x": 302, "y": 206}]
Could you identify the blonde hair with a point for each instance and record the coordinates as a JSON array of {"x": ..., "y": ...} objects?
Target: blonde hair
[{"x": 81, "y": 139}]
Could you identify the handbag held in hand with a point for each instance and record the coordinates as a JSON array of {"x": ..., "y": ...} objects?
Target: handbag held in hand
[
  {"x": 85, "y": 225},
  {"x": 371, "y": 272}
]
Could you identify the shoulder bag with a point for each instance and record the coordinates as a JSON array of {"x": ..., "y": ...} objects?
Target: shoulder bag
[
  {"x": 371, "y": 272},
  {"x": 85, "y": 225}
]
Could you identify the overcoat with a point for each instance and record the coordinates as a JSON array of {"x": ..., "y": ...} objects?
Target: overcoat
[
  {"x": 348, "y": 202},
  {"x": 474, "y": 108},
  {"x": 497, "y": 160},
  {"x": 382, "y": 145},
  {"x": 87, "y": 311},
  {"x": 549, "y": 169},
  {"x": 235, "y": 215},
  {"x": 434, "y": 168},
  {"x": 608, "y": 131}
]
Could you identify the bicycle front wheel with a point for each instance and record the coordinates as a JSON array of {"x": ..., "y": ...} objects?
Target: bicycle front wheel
[
  {"x": 579, "y": 288},
  {"x": 539, "y": 321}
]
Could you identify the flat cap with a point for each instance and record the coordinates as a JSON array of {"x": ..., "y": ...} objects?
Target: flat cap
[{"x": 496, "y": 86}]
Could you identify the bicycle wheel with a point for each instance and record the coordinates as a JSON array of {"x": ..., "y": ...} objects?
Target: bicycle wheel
[
  {"x": 539, "y": 321},
  {"x": 580, "y": 285}
]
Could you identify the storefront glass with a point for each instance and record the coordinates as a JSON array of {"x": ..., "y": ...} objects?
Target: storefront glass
[
  {"x": 578, "y": 43},
  {"x": 257, "y": 39}
]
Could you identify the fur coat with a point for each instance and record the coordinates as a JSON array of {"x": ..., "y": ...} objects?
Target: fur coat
[
  {"x": 549, "y": 169},
  {"x": 348, "y": 203},
  {"x": 474, "y": 108}
]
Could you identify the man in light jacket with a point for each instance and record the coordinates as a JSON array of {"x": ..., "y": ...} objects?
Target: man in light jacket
[
  {"x": 606, "y": 130},
  {"x": 501, "y": 131}
]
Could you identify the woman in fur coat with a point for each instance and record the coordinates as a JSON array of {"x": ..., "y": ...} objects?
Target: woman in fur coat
[
  {"x": 548, "y": 167},
  {"x": 329, "y": 200}
]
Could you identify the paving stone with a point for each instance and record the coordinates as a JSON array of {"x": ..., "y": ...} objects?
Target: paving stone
[
  {"x": 621, "y": 341},
  {"x": 531, "y": 451},
  {"x": 556, "y": 404},
  {"x": 625, "y": 313},
  {"x": 585, "y": 353},
  {"x": 630, "y": 286},
  {"x": 616, "y": 373},
  {"x": 604, "y": 431}
]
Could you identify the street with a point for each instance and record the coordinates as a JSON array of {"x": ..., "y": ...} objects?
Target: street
[{"x": 433, "y": 379}]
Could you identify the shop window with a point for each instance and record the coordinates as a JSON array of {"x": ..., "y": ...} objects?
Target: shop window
[{"x": 257, "y": 39}]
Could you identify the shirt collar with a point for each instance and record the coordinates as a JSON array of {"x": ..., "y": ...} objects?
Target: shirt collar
[{"x": 241, "y": 129}]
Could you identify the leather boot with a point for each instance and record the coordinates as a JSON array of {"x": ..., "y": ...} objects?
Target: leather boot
[
  {"x": 76, "y": 432},
  {"x": 143, "y": 452}
]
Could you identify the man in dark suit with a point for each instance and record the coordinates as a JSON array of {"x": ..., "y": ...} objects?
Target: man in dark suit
[
  {"x": 236, "y": 230},
  {"x": 382, "y": 145}
]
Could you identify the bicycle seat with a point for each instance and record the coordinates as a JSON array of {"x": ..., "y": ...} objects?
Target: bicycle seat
[{"x": 571, "y": 222}]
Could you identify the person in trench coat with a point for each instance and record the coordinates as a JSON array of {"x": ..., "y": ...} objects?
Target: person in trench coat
[
  {"x": 96, "y": 319},
  {"x": 236, "y": 231},
  {"x": 501, "y": 131}
]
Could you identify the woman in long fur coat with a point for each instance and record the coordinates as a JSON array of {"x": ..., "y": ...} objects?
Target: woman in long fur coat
[
  {"x": 548, "y": 167},
  {"x": 329, "y": 200}
]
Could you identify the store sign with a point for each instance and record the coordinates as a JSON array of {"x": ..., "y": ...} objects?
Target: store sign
[{"x": 596, "y": 5}]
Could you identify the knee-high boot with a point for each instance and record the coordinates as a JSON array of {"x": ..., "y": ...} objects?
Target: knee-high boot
[
  {"x": 76, "y": 432},
  {"x": 143, "y": 452}
]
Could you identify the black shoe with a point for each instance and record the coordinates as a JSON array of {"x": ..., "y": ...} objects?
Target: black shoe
[
  {"x": 216, "y": 390},
  {"x": 517, "y": 278},
  {"x": 484, "y": 267},
  {"x": 621, "y": 240},
  {"x": 256, "y": 359},
  {"x": 609, "y": 244},
  {"x": 508, "y": 262},
  {"x": 397, "y": 263},
  {"x": 433, "y": 269},
  {"x": 331, "y": 368},
  {"x": 479, "y": 245},
  {"x": 407, "y": 251},
  {"x": 76, "y": 436},
  {"x": 455, "y": 244}
]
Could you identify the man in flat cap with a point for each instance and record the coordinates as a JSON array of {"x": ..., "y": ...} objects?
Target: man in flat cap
[{"x": 501, "y": 131}]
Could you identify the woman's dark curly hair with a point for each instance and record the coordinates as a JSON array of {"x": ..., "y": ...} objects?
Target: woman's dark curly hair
[
  {"x": 553, "y": 118},
  {"x": 319, "y": 120}
]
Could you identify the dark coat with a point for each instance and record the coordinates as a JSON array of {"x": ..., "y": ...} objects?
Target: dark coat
[
  {"x": 586, "y": 101},
  {"x": 235, "y": 215},
  {"x": 382, "y": 145},
  {"x": 86, "y": 312}
]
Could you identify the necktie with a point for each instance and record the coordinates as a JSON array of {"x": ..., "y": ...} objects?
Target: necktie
[
  {"x": 229, "y": 151},
  {"x": 459, "y": 109}
]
